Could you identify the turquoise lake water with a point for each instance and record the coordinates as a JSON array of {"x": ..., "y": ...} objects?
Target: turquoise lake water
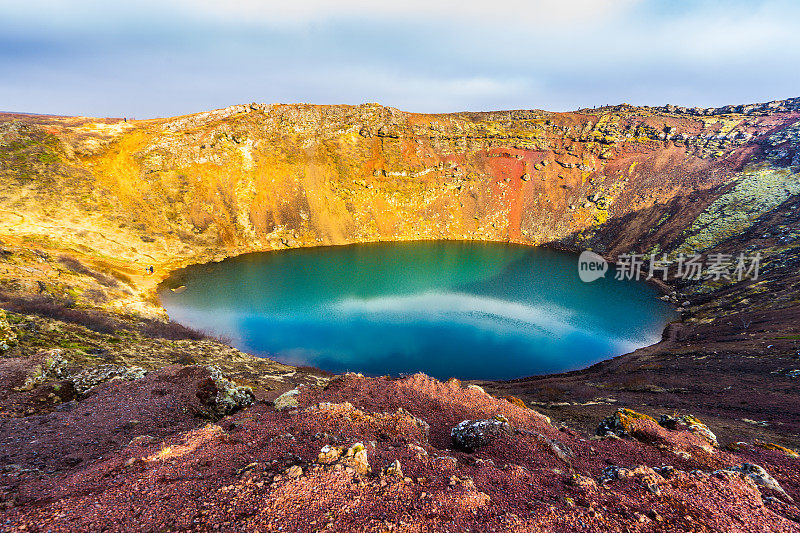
[{"x": 446, "y": 308}]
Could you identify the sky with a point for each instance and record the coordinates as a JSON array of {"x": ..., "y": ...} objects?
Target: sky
[{"x": 156, "y": 58}]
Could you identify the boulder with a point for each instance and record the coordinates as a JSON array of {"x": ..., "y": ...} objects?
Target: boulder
[
  {"x": 329, "y": 454},
  {"x": 761, "y": 477},
  {"x": 287, "y": 400},
  {"x": 620, "y": 423},
  {"x": 394, "y": 469},
  {"x": 230, "y": 397},
  {"x": 689, "y": 423},
  {"x": 470, "y": 435},
  {"x": 356, "y": 458}
]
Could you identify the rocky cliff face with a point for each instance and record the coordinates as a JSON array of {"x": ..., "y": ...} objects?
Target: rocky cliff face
[{"x": 168, "y": 192}]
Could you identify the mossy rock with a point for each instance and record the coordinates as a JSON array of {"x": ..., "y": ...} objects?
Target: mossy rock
[
  {"x": 230, "y": 396},
  {"x": 689, "y": 423},
  {"x": 516, "y": 401},
  {"x": 621, "y": 422},
  {"x": 8, "y": 337},
  {"x": 54, "y": 367}
]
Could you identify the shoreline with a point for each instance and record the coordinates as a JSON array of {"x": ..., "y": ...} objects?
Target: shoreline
[{"x": 661, "y": 286}]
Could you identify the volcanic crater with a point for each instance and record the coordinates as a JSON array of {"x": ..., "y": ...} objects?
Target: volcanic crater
[{"x": 115, "y": 417}]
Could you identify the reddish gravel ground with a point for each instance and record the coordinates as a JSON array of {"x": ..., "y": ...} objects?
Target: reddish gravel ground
[{"x": 261, "y": 470}]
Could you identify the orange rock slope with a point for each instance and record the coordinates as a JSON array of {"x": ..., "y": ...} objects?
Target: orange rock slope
[{"x": 124, "y": 195}]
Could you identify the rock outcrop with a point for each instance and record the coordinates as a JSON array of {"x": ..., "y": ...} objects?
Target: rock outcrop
[{"x": 470, "y": 435}]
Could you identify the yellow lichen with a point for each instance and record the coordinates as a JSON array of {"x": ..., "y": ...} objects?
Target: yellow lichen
[
  {"x": 777, "y": 447},
  {"x": 626, "y": 418}
]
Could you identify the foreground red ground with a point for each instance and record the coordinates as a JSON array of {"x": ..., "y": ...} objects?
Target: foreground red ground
[{"x": 138, "y": 456}]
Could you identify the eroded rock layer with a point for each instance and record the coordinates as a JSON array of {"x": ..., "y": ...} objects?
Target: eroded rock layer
[{"x": 167, "y": 192}]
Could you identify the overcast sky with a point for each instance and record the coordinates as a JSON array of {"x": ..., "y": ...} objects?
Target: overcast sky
[{"x": 147, "y": 58}]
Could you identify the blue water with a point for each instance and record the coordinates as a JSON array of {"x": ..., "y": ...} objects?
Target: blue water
[{"x": 447, "y": 308}]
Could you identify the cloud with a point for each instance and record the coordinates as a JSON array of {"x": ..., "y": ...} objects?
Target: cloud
[
  {"x": 489, "y": 313},
  {"x": 157, "y": 58},
  {"x": 510, "y": 11},
  {"x": 407, "y": 88}
]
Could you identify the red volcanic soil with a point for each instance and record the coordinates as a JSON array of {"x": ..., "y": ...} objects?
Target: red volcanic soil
[{"x": 261, "y": 469}]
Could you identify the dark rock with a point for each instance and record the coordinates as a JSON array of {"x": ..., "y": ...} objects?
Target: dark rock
[{"x": 470, "y": 435}]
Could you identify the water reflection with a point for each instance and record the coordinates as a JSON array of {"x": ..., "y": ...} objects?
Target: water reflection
[{"x": 464, "y": 309}]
